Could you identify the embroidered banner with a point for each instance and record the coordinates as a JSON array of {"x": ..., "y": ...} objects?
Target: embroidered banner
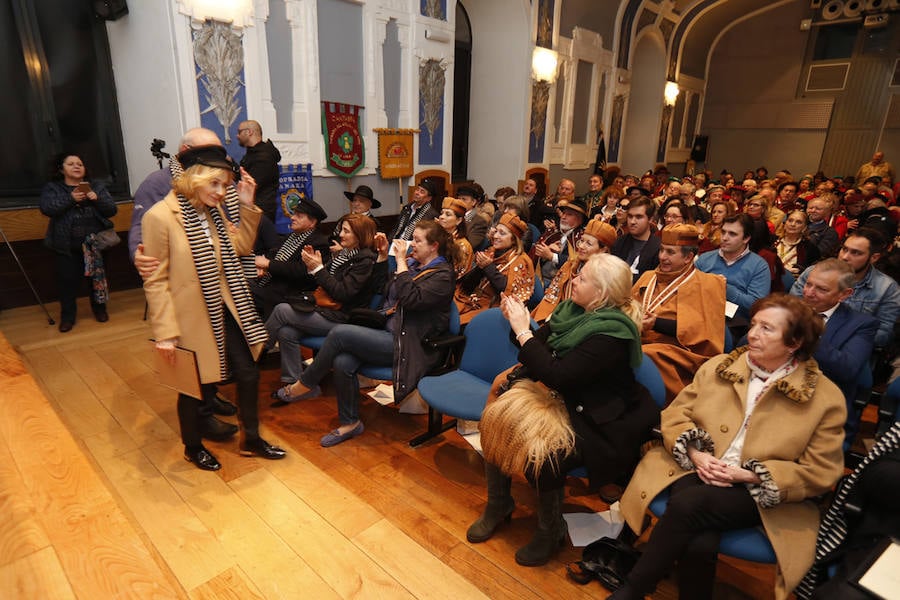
[
  {"x": 395, "y": 152},
  {"x": 294, "y": 183},
  {"x": 343, "y": 142}
]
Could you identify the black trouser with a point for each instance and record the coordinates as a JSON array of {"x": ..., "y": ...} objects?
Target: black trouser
[
  {"x": 246, "y": 376},
  {"x": 689, "y": 532},
  {"x": 69, "y": 278}
]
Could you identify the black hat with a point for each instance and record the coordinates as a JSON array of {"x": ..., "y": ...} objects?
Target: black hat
[
  {"x": 469, "y": 191},
  {"x": 209, "y": 156},
  {"x": 428, "y": 186},
  {"x": 310, "y": 207},
  {"x": 366, "y": 192}
]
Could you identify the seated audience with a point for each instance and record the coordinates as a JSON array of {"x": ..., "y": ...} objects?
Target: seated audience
[
  {"x": 847, "y": 342},
  {"x": 684, "y": 310},
  {"x": 362, "y": 201},
  {"x": 874, "y": 293},
  {"x": 820, "y": 231},
  {"x": 593, "y": 200},
  {"x": 452, "y": 219},
  {"x": 418, "y": 208},
  {"x": 639, "y": 248},
  {"x": 605, "y": 209},
  {"x": 416, "y": 307},
  {"x": 549, "y": 257},
  {"x": 476, "y": 223},
  {"x": 747, "y": 276},
  {"x": 711, "y": 234},
  {"x": 583, "y": 356},
  {"x": 283, "y": 271},
  {"x": 724, "y": 475},
  {"x": 344, "y": 282},
  {"x": 597, "y": 237},
  {"x": 794, "y": 249},
  {"x": 503, "y": 267}
]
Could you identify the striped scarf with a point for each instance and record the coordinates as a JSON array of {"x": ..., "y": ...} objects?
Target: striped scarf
[
  {"x": 833, "y": 530},
  {"x": 340, "y": 258},
  {"x": 203, "y": 252},
  {"x": 408, "y": 219},
  {"x": 290, "y": 245},
  {"x": 232, "y": 213}
]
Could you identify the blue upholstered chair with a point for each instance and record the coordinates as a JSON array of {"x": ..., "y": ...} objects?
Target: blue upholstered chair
[{"x": 463, "y": 393}]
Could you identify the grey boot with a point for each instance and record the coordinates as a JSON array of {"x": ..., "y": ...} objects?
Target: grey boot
[
  {"x": 499, "y": 507},
  {"x": 550, "y": 534}
]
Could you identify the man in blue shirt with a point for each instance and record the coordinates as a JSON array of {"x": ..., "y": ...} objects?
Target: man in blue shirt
[{"x": 747, "y": 275}]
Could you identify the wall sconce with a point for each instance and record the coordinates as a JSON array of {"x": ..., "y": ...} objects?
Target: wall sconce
[
  {"x": 671, "y": 93},
  {"x": 237, "y": 12},
  {"x": 544, "y": 62}
]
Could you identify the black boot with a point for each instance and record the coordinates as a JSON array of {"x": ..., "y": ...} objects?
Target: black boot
[
  {"x": 550, "y": 534},
  {"x": 499, "y": 507}
]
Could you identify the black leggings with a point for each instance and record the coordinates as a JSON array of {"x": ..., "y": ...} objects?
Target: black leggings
[
  {"x": 246, "y": 376},
  {"x": 689, "y": 532}
]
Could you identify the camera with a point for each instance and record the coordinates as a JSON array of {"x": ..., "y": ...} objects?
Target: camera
[{"x": 156, "y": 147}]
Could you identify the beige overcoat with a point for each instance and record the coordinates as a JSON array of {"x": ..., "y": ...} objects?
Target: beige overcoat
[
  {"x": 174, "y": 297},
  {"x": 793, "y": 443}
]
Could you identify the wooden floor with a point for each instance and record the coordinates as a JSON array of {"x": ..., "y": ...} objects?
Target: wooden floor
[{"x": 98, "y": 502}]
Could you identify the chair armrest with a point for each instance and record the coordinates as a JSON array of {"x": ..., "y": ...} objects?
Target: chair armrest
[{"x": 445, "y": 342}]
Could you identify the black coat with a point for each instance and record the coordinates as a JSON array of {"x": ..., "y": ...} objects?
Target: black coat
[
  {"x": 612, "y": 414},
  {"x": 423, "y": 311},
  {"x": 352, "y": 284},
  {"x": 288, "y": 275}
]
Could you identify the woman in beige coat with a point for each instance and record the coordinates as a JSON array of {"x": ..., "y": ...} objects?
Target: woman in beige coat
[
  {"x": 198, "y": 298},
  {"x": 748, "y": 443}
]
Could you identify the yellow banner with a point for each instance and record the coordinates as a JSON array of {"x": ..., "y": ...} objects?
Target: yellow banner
[{"x": 395, "y": 152}]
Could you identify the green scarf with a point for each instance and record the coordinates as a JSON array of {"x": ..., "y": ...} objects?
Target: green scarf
[{"x": 570, "y": 325}]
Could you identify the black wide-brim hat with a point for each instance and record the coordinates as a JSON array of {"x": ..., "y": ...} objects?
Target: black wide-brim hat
[
  {"x": 208, "y": 156},
  {"x": 366, "y": 192},
  {"x": 310, "y": 207}
]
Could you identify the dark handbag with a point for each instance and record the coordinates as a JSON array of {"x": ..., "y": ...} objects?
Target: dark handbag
[
  {"x": 367, "y": 317},
  {"x": 103, "y": 240},
  {"x": 608, "y": 560}
]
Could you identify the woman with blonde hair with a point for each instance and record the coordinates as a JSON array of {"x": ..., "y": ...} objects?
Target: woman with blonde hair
[
  {"x": 573, "y": 401},
  {"x": 453, "y": 220},
  {"x": 198, "y": 297}
]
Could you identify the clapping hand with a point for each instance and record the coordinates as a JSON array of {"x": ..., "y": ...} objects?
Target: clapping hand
[
  {"x": 483, "y": 259},
  {"x": 515, "y": 312},
  {"x": 311, "y": 257}
]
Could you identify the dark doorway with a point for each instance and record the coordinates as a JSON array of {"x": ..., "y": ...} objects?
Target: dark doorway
[
  {"x": 61, "y": 97},
  {"x": 462, "y": 82}
]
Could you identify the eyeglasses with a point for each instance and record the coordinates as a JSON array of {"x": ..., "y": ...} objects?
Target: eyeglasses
[{"x": 622, "y": 205}]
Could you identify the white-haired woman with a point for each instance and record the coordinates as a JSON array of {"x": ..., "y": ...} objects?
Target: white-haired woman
[{"x": 584, "y": 354}]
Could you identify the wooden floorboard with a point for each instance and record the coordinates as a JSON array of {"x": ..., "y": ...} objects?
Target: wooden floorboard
[{"x": 99, "y": 503}]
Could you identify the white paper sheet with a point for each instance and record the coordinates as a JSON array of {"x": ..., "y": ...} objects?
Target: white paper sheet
[
  {"x": 584, "y": 528},
  {"x": 383, "y": 394},
  {"x": 883, "y": 577}
]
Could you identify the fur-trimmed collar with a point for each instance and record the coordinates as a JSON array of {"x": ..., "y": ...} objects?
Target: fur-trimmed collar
[{"x": 799, "y": 386}]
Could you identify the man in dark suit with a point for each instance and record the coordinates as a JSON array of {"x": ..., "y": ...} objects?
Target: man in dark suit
[
  {"x": 283, "y": 272},
  {"x": 639, "y": 247},
  {"x": 846, "y": 345},
  {"x": 476, "y": 223}
]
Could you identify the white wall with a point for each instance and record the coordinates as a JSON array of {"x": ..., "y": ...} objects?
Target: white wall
[
  {"x": 144, "y": 62},
  {"x": 640, "y": 132},
  {"x": 501, "y": 91}
]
